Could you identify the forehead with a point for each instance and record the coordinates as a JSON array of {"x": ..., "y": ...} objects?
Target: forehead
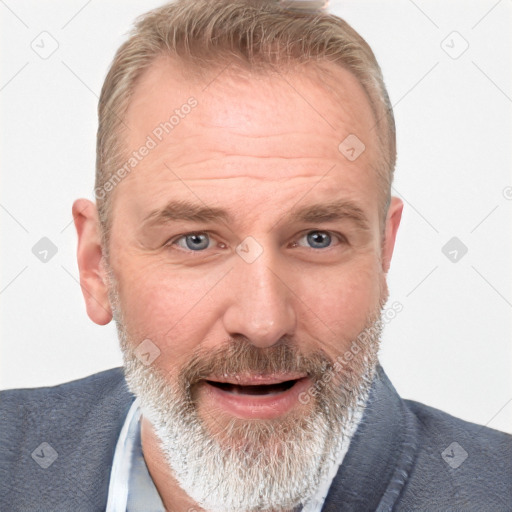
[
  {"x": 218, "y": 132},
  {"x": 313, "y": 98}
]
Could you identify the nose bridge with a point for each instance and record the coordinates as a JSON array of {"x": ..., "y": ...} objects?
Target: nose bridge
[{"x": 261, "y": 308}]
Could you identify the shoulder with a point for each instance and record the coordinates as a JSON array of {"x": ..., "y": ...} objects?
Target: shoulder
[
  {"x": 66, "y": 405},
  {"x": 438, "y": 424},
  {"x": 114, "y": 375},
  {"x": 461, "y": 464},
  {"x": 79, "y": 395},
  {"x": 97, "y": 380},
  {"x": 439, "y": 430},
  {"x": 80, "y": 421}
]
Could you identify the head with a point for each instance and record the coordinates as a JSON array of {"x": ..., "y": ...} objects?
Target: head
[{"x": 241, "y": 238}]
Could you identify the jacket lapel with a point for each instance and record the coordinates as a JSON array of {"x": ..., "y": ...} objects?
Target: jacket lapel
[{"x": 380, "y": 455}]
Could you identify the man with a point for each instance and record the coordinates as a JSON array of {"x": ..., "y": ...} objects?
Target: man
[{"x": 240, "y": 239}]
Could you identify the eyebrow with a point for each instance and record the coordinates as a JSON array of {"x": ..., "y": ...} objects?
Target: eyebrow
[
  {"x": 184, "y": 210},
  {"x": 334, "y": 211},
  {"x": 325, "y": 212}
]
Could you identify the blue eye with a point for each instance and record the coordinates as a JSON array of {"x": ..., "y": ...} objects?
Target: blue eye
[
  {"x": 194, "y": 241},
  {"x": 317, "y": 239}
]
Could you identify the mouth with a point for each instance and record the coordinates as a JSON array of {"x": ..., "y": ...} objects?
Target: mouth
[
  {"x": 254, "y": 389},
  {"x": 254, "y": 396}
]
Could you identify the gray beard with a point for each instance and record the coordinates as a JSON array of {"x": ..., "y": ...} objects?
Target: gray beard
[{"x": 253, "y": 465}]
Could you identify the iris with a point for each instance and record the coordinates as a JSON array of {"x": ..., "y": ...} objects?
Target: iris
[
  {"x": 319, "y": 239},
  {"x": 197, "y": 241}
]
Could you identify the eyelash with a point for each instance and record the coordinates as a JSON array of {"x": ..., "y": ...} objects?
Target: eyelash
[{"x": 341, "y": 239}]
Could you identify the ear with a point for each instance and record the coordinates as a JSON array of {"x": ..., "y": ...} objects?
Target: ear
[
  {"x": 93, "y": 277},
  {"x": 393, "y": 218}
]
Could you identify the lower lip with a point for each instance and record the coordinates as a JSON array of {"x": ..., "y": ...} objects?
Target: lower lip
[{"x": 255, "y": 406}]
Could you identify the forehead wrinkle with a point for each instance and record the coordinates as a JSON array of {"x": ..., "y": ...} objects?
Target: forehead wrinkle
[{"x": 204, "y": 172}]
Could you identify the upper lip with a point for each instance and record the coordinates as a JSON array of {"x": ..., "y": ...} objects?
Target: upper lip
[{"x": 257, "y": 380}]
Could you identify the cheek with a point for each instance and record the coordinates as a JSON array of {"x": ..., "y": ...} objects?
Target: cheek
[
  {"x": 337, "y": 311},
  {"x": 172, "y": 310}
]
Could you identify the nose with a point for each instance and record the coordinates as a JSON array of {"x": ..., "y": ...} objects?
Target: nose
[{"x": 261, "y": 306}]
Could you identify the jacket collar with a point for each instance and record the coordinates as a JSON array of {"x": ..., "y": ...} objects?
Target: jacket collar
[{"x": 380, "y": 455}]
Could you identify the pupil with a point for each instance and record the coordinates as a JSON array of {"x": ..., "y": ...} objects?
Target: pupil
[
  {"x": 197, "y": 242},
  {"x": 318, "y": 239}
]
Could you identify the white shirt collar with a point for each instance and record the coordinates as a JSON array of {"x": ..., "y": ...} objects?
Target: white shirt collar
[{"x": 131, "y": 488}]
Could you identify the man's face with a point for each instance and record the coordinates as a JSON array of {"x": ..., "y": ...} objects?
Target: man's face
[
  {"x": 262, "y": 160},
  {"x": 248, "y": 249}
]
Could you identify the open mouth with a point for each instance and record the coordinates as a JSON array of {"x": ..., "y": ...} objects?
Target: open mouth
[
  {"x": 254, "y": 396},
  {"x": 256, "y": 389}
]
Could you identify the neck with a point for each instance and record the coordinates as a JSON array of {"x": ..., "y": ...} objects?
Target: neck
[{"x": 174, "y": 498}]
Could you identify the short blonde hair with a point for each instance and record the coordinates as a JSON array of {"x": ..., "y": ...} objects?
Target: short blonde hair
[{"x": 205, "y": 34}]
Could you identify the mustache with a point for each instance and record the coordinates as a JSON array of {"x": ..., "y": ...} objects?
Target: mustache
[{"x": 239, "y": 356}]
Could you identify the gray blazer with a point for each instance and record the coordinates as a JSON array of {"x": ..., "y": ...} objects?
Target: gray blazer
[{"x": 404, "y": 456}]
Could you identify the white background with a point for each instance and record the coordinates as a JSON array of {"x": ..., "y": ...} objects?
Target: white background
[{"x": 450, "y": 347}]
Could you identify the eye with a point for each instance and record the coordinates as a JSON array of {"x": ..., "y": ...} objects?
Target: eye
[
  {"x": 194, "y": 241},
  {"x": 316, "y": 240}
]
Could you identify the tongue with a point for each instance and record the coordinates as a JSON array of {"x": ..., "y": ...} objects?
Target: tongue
[{"x": 254, "y": 390}]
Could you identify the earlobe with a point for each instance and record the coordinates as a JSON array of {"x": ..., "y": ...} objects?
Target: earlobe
[
  {"x": 393, "y": 218},
  {"x": 93, "y": 279}
]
